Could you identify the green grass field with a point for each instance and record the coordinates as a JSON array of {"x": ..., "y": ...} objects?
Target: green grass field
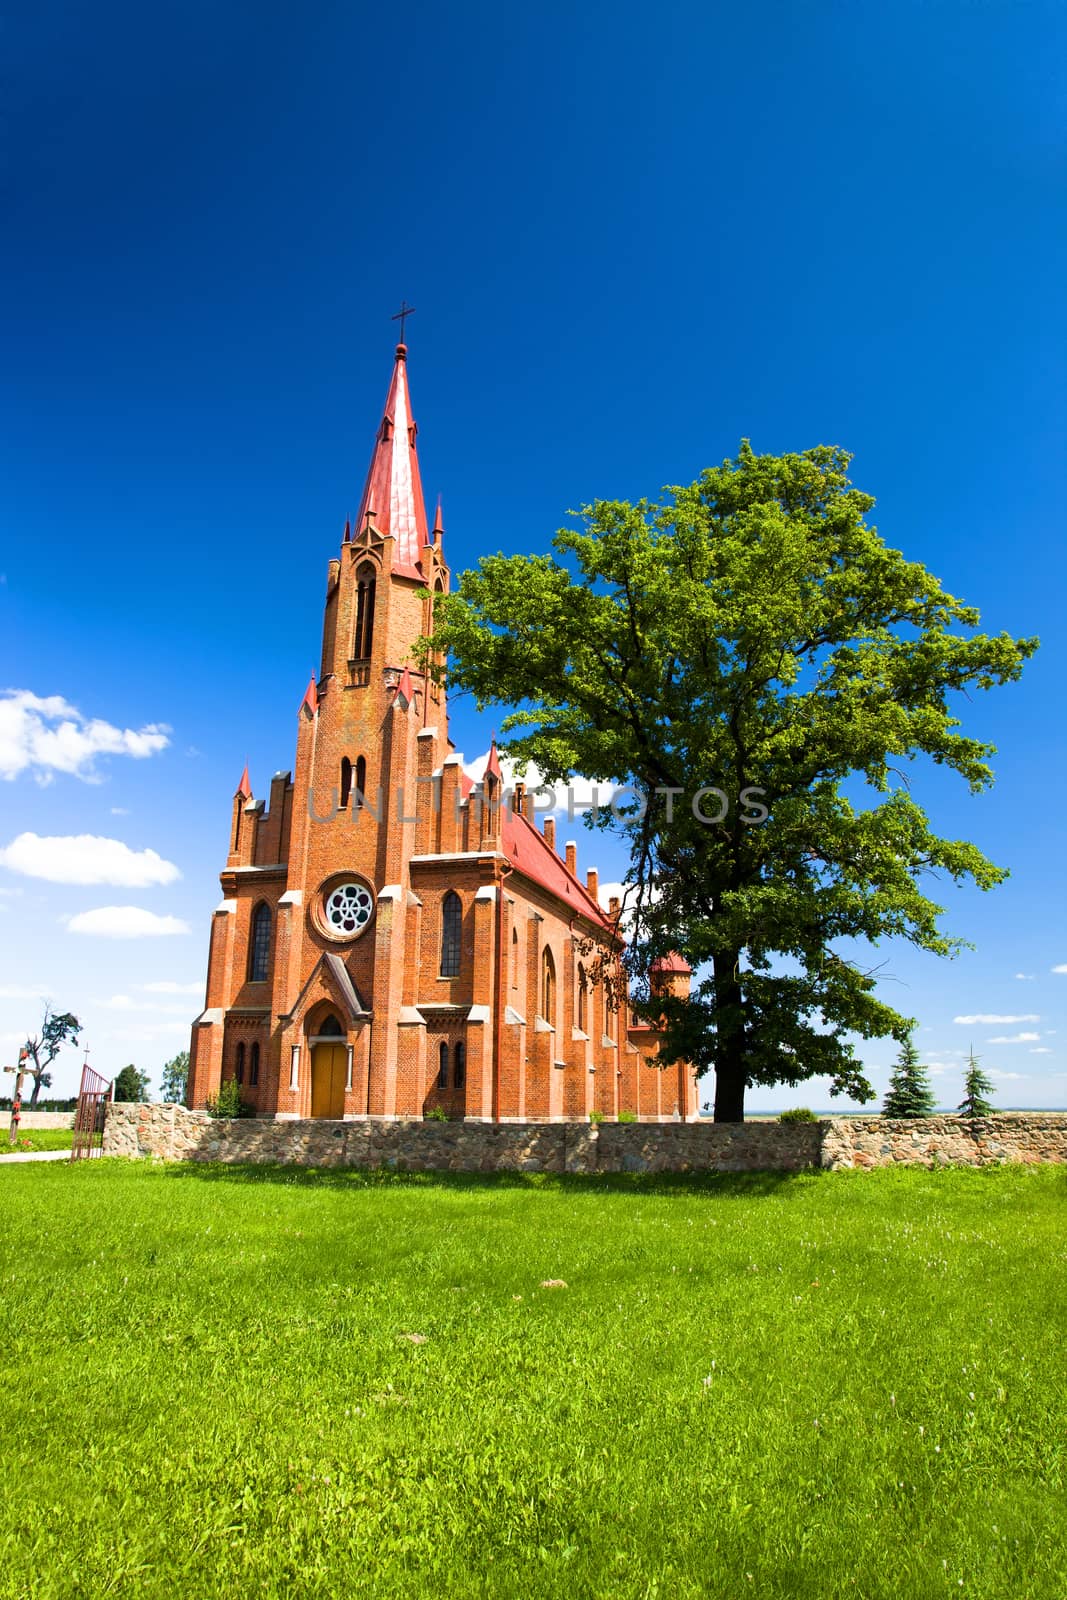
[
  {"x": 267, "y": 1382},
  {"x": 36, "y": 1139}
]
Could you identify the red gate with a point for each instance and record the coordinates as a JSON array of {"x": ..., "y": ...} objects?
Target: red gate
[{"x": 93, "y": 1098}]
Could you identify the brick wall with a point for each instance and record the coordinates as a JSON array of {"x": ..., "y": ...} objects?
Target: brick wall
[{"x": 172, "y": 1133}]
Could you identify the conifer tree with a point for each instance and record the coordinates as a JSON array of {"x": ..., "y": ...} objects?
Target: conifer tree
[
  {"x": 976, "y": 1086},
  {"x": 910, "y": 1094}
]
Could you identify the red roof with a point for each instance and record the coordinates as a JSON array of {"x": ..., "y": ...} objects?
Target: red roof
[
  {"x": 310, "y": 702},
  {"x": 671, "y": 963},
  {"x": 393, "y": 492},
  {"x": 244, "y": 788},
  {"x": 405, "y": 690},
  {"x": 526, "y": 849}
]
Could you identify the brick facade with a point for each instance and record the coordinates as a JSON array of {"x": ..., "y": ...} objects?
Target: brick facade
[{"x": 378, "y": 806}]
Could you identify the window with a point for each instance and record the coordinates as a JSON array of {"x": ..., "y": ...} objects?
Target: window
[
  {"x": 330, "y": 1028},
  {"x": 451, "y": 927},
  {"x": 239, "y": 1069},
  {"x": 253, "y": 1066},
  {"x": 346, "y": 780},
  {"x": 364, "y": 611},
  {"x": 548, "y": 987},
  {"x": 514, "y": 958},
  {"x": 361, "y": 779},
  {"x": 259, "y": 955},
  {"x": 583, "y": 1006},
  {"x": 459, "y": 1066},
  {"x": 442, "y": 1070}
]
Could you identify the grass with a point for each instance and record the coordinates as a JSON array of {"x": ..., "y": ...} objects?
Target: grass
[
  {"x": 257, "y": 1381},
  {"x": 36, "y": 1139}
]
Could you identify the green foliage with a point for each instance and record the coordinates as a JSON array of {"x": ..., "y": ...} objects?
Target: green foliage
[
  {"x": 435, "y": 1114},
  {"x": 227, "y": 1102},
  {"x": 57, "y": 1029},
  {"x": 174, "y": 1078},
  {"x": 798, "y": 1114},
  {"x": 38, "y": 1139},
  {"x": 627, "y": 1116},
  {"x": 909, "y": 1093},
  {"x": 596, "y": 1117},
  {"x": 751, "y": 631},
  {"x": 845, "y": 1384},
  {"x": 131, "y": 1084},
  {"x": 977, "y": 1088}
]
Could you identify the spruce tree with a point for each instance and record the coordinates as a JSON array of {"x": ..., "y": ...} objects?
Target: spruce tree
[
  {"x": 910, "y": 1094},
  {"x": 976, "y": 1086}
]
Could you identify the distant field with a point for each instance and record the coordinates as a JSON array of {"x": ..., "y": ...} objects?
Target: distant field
[
  {"x": 256, "y": 1381},
  {"x": 36, "y": 1139}
]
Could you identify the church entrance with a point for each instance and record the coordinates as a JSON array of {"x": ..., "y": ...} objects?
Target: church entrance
[{"x": 329, "y": 1069}]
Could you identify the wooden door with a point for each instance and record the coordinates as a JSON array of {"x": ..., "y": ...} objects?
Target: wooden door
[{"x": 329, "y": 1069}]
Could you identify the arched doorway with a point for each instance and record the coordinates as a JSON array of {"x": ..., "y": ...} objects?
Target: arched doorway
[{"x": 329, "y": 1069}]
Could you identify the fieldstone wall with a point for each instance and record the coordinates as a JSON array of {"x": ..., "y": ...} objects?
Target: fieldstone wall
[{"x": 171, "y": 1133}]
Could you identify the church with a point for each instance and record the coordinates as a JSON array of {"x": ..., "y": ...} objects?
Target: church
[{"x": 394, "y": 939}]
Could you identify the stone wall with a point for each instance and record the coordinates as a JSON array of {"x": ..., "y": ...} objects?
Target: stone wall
[{"x": 172, "y": 1133}]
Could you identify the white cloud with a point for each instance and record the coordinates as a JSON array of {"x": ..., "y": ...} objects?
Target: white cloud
[
  {"x": 993, "y": 1017},
  {"x": 168, "y": 986},
  {"x": 125, "y": 922},
  {"x": 1013, "y": 1038},
  {"x": 1041, "y": 1050},
  {"x": 86, "y": 858},
  {"x": 1006, "y": 1076},
  {"x": 1025, "y": 977},
  {"x": 45, "y": 734},
  {"x": 1061, "y": 968},
  {"x": 120, "y": 811},
  {"x": 573, "y": 798},
  {"x": 25, "y": 991}
]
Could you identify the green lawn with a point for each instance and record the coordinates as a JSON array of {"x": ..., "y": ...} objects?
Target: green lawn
[
  {"x": 36, "y": 1139},
  {"x": 234, "y": 1382}
]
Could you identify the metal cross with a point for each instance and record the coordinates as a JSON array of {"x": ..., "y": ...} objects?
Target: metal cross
[{"x": 404, "y": 312}]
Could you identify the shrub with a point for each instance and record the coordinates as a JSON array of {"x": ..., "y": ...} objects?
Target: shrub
[
  {"x": 227, "y": 1103},
  {"x": 596, "y": 1117},
  {"x": 435, "y": 1114},
  {"x": 627, "y": 1116},
  {"x": 798, "y": 1114}
]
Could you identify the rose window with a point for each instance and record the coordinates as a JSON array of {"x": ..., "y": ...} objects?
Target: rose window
[{"x": 348, "y": 908}]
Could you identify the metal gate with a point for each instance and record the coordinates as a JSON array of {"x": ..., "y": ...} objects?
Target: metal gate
[{"x": 93, "y": 1099}]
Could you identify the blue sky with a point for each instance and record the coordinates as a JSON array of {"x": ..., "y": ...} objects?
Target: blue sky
[{"x": 632, "y": 237}]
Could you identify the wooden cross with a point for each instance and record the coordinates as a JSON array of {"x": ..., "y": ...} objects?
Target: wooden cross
[{"x": 404, "y": 312}]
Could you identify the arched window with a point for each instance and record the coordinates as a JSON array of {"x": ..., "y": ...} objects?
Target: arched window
[
  {"x": 259, "y": 950},
  {"x": 514, "y": 958},
  {"x": 459, "y": 1066},
  {"x": 364, "y": 611},
  {"x": 361, "y": 778},
  {"x": 330, "y": 1028},
  {"x": 346, "y": 780},
  {"x": 548, "y": 987},
  {"x": 442, "y": 1069},
  {"x": 253, "y": 1066},
  {"x": 451, "y": 926},
  {"x": 583, "y": 1004},
  {"x": 239, "y": 1069}
]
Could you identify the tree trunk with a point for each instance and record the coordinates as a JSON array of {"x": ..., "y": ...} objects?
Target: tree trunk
[
  {"x": 730, "y": 1028},
  {"x": 36, "y": 1092}
]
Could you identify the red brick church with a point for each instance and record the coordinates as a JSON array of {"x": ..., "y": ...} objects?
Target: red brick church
[{"x": 393, "y": 937}]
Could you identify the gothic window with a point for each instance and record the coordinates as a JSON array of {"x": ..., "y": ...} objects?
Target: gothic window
[
  {"x": 459, "y": 1066},
  {"x": 239, "y": 1069},
  {"x": 361, "y": 778},
  {"x": 514, "y": 958},
  {"x": 259, "y": 952},
  {"x": 442, "y": 1069},
  {"x": 451, "y": 925},
  {"x": 548, "y": 987},
  {"x": 583, "y": 1000},
  {"x": 346, "y": 780},
  {"x": 253, "y": 1066},
  {"x": 330, "y": 1028},
  {"x": 364, "y": 611}
]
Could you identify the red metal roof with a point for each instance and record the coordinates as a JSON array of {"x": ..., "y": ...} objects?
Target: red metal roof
[
  {"x": 672, "y": 963},
  {"x": 310, "y": 702},
  {"x": 526, "y": 849},
  {"x": 244, "y": 788},
  {"x": 393, "y": 491},
  {"x": 405, "y": 690}
]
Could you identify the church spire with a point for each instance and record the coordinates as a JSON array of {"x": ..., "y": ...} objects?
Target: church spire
[{"x": 392, "y": 499}]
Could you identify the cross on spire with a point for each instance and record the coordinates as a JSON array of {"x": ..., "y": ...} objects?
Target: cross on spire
[{"x": 401, "y": 316}]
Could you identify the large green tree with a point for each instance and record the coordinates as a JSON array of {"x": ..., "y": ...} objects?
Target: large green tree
[
  {"x": 57, "y": 1029},
  {"x": 749, "y": 632}
]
